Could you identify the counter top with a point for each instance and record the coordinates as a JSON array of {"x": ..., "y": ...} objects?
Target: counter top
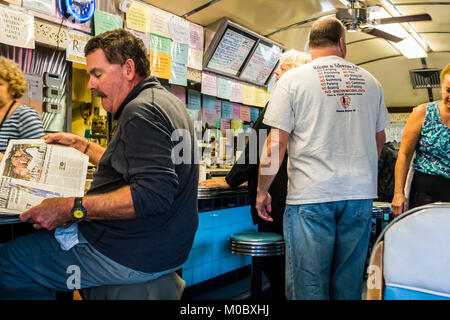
[{"x": 208, "y": 193}]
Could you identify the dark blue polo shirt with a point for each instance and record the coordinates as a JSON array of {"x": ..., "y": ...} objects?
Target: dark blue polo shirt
[{"x": 164, "y": 193}]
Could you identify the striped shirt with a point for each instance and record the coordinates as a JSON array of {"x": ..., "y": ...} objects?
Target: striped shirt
[{"x": 23, "y": 123}]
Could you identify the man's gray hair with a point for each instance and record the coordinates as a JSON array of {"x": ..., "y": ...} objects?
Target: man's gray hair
[{"x": 326, "y": 32}]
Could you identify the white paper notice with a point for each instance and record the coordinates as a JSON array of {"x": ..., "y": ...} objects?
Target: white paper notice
[
  {"x": 16, "y": 28},
  {"x": 179, "y": 29},
  {"x": 195, "y": 59},
  {"x": 159, "y": 22}
]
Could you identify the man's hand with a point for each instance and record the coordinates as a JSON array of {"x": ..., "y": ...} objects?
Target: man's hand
[
  {"x": 49, "y": 214},
  {"x": 67, "y": 139},
  {"x": 264, "y": 206}
]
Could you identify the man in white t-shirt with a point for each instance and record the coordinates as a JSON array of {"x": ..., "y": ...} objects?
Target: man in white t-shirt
[{"x": 331, "y": 116}]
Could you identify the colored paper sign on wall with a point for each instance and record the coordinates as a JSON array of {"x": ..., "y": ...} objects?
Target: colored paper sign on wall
[
  {"x": 254, "y": 114},
  {"x": 249, "y": 95},
  {"x": 244, "y": 113},
  {"x": 105, "y": 22},
  {"x": 225, "y": 124},
  {"x": 209, "y": 117},
  {"x": 160, "y": 64},
  {"x": 261, "y": 97},
  {"x": 178, "y": 74},
  {"x": 236, "y": 111},
  {"x": 236, "y": 124},
  {"x": 159, "y": 22},
  {"x": 16, "y": 28},
  {"x": 227, "y": 110},
  {"x": 179, "y": 92},
  {"x": 160, "y": 44},
  {"x": 209, "y": 102},
  {"x": 195, "y": 36},
  {"x": 218, "y": 109},
  {"x": 209, "y": 84},
  {"x": 224, "y": 88},
  {"x": 236, "y": 92},
  {"x": 180, "y": 52},
  {"x": 138, "y": 17},
  {"x": 194, "y": 100},
  {"x": 76, "y": 41}
]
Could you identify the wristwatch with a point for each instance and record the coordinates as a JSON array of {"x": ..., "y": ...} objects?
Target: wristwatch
[{"x": 78, "y": 212}]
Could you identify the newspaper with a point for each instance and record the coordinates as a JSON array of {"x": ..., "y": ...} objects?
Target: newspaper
[{"x": 32, "y": 171}]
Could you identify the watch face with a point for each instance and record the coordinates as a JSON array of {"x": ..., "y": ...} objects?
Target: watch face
[
  {"x": 78, "y": 213},
  {"x": 80, "y": 10}
]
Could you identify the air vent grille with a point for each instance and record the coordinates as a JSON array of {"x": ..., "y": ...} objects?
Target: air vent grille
[{"x": 425, "y": 78}]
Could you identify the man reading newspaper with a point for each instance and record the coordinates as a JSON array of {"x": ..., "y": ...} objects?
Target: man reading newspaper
[{"x": 138, "y": 220}]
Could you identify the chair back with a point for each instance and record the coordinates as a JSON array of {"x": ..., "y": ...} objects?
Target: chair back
[{"x": 415, "y": 256}]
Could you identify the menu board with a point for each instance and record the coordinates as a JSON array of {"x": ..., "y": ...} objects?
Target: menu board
[
  {"x": 261, "y": 63},
  {"x": 231, "y": 52}
]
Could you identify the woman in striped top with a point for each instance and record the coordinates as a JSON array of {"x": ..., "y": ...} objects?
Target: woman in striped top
[{"x": 17, "y": 121}]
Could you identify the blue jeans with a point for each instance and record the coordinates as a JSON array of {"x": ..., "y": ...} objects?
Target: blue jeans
[
  {"x": 34, "y": 267},
  {"x": 326, "y": 248}
]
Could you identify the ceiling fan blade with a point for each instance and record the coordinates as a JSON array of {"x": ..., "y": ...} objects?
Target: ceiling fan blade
[
  {"x": 416, "y": 17},
  {"x": 381, "y": 34}
]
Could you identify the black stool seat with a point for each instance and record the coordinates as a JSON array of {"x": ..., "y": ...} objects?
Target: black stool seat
[{"x": 257, "y": 245}]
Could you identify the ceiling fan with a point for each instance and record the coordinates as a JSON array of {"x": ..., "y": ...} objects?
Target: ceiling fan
[{"x": 357, "y": 18}]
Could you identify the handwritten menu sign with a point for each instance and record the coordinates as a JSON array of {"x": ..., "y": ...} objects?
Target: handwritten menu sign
[
  {"x": 261, "y": 64},
  {"x": 231, "y": 52}
]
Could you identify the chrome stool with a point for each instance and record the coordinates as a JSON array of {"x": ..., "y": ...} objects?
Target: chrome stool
[{"x": 257, "y": 245}]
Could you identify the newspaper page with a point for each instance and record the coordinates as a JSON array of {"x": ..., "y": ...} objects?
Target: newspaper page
[{"x": 32, "y": 171}]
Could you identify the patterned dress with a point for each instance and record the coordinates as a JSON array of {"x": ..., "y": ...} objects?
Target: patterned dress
[{"x": 433, "y": 147}]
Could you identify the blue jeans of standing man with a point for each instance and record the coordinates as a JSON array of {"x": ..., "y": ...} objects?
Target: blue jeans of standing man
[
  {"x": 34, "y": 267},
  {"x": 326, "y": 248}
]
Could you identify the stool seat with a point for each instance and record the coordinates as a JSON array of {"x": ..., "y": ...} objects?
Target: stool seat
[
  {"x": 256, "y": 237},
  {"x": 258, "y": 245}
]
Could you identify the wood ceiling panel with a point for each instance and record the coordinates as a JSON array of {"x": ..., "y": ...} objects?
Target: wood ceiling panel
[
  {"x": 396, "y": 81},
  {"x": 439, "y": 15},
  {"x": 370, "y": 50},
  {"x": 437, "y": 41}
]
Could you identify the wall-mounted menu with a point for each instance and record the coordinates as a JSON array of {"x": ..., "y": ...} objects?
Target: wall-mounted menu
[
  {"x": 231, "y": 52},
  {"x": 261, "y": 63}
]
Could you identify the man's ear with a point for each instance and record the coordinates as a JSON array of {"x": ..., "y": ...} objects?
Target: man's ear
[
  {"x": 343, "y": 47},
  {"x": 129, "y": 69}
]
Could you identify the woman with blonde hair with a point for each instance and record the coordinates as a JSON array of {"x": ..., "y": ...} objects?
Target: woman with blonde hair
[
  {"x": 427, "y": 132},
  {"x": 17, "y": 121}
]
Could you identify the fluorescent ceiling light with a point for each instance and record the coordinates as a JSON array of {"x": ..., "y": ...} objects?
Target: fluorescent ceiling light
[
  {"x": 345, "y": 3},
  {"x": 410, "y": 48}
]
